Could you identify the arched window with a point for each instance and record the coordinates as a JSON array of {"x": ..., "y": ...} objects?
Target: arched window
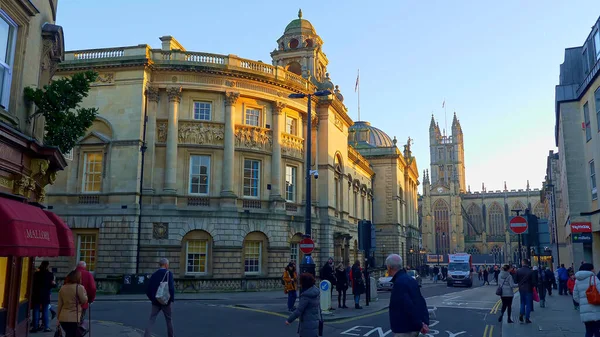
[
  {"x": 441, "y": 216},
  {"x": 295, "y": 253},
  {"x": 518, "y": 205},
  {"x": 255, "y": 257},
  {"x": 338, "y": 191},
  {"x": 474, "y": 214},
  {"x": 295, "y": 67},
  {"x": 196, "y": 253},
  {"x": 473, "y": 250},
  {"x": 495, "y": 250},
  {"x": 496, "y": 219},
  {"x": 541, "y": 210}
]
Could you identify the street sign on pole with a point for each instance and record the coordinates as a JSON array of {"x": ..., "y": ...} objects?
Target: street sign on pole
[
  {"x": 306, "y": 245},
  {"x": 518, "y": 225}
]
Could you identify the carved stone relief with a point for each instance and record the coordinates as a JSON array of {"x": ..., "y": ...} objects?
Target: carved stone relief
[
  {"x": 201, "y": 133},
  {"x": 160, "y": 231},
  {"x": 292, "y": 146},
  {"x": 250, "y": 137},
  {"x": 338, "y": 122}
]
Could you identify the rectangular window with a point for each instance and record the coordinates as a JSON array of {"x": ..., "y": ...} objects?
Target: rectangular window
[
  {"x": 586, "y": 118},
  {"x": 586, "y": 62},
  {"x": 597, "y": 98},
  {"x": 24, "y": 279},
  {"x": 8, "y": 38},
  {"x": 355, "y": 204},
  {"x": 202, "y": 111},
  {"x": 86, "y": 250},
  {"x": 597, "y": 43},
  {"x": 199, "y": 174},
  {"x": 335, "y": 193},
  {"x": 593, "y": 180},
  {"x": 92, "y": 172},
  {"x": 291, "y": 125},
  {"x": 251, "y": 178},
  {"x": 294, "y": 252},
  {"x": 196, "y": 251},
  {"x": 253, "y": 117},
  {"x": 3, "y": 280},
  {"x": 362, "y": 208},
  {"x": 252, "y": 256},
  {"x": 290, "y": 183}
]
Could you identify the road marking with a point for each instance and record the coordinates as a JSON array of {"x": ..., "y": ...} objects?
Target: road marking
[
  {"x": 258, "y": 310},
  {"x": 489, "y": 331},
  {"x": 485, "y": 331},
  {"x": 495, "y": 308}
]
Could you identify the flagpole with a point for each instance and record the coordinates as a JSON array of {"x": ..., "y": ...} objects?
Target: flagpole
[
  {"x": 445, "y": 118},
  {"x": 358, "y": 90}
]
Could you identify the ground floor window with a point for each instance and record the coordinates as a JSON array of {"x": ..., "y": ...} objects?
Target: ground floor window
[
  {"x": 87, "y": 250},
  {"x": 252, "y": 257},
  {"x": 196, "y": 256},
  {"x": 24, "y": 279}
]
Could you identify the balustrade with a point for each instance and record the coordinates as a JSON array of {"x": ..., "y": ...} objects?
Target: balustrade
[{"x": 98, "y": 54}]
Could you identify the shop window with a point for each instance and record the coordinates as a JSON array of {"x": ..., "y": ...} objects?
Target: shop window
[
  {"x": 25, "y": 265},
  {"x": 3, "y": 281}
]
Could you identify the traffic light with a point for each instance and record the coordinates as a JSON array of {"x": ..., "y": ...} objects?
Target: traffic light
[{"x": 366, "y": 235}]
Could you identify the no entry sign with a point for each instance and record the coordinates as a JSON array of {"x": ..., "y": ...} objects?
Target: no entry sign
[
  {"x": 518, "y": 225},
  {"x": 307, "y": 245}
]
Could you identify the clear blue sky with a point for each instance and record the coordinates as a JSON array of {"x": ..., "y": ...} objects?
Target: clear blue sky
[{"x": 495, "y": 64}]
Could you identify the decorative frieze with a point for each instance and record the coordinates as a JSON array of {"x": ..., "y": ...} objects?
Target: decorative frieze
[
  {"x": 254, "y": 138},
  {"x": 6, "y": 182},
  {"x": 337, "y": 121},
  {"x": 292, "y": 146},
  {"x": 160, "y": 230},
  {"x": 192, "y": 132}
]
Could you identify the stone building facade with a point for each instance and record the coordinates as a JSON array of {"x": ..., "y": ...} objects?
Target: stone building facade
[
  {"x": 454, "y": 219},
  {"x": 222, "y": 191}
]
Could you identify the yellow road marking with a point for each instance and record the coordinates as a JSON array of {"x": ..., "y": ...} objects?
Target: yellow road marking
[
  {"x": 258, "y": 310},
  {"x": 491, "y": 331},
  {"x": 495, "y": 307},
  {"x": 485, "y": 331}
]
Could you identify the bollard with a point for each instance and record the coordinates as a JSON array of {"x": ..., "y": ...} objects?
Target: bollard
[
  {"x": 325, "y": 287},
  {"x": 374, "y": 297}
]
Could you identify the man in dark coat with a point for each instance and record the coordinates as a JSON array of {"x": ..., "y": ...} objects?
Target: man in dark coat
[
  {"x": 328, "y": 274},
  {"x": 408, "y": 310},
  {"x": 43, "y": 282},
  {"x": 155, "y": 280},
  {"x": 526, "y": 279}
]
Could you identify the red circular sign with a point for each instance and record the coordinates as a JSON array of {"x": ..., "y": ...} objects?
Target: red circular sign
[
  {"x": 307, "y": 245},
  {"x": 518, "y": 225}
]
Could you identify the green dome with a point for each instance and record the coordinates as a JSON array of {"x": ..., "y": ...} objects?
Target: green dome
[{"x": 299, "y": 25}]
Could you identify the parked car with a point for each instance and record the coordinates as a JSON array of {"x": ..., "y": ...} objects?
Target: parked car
[{"x": 385, "y": 282}]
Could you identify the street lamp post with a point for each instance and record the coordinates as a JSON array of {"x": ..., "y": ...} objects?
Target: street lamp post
[
  {"x": 553, "y": 201},
  {"x": 308, "y": 264}
]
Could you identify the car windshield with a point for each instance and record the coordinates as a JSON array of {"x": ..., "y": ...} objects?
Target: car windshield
[
  {"x": 411, "y": 273},
  {"x": 458, "y": 267}
]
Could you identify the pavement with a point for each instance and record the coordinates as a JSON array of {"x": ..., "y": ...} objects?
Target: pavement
[
  {"x": 557, "y": 319},
  {"x": 102, "y": 328}
]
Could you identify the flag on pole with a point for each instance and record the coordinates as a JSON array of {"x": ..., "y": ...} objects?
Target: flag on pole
[
  {"x": 443, "y": 103},
  {"x": 357, "y": 80}
]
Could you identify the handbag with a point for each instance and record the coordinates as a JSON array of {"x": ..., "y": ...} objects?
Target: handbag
[
  {"x": 83, "y": 326},
  {"x": 499, "y": 290},
  {"x": 536, "y": 296},
  {"x": 592, "y": 294},
  {"x": 162, "y": 293},
  {"x": 58, "y": 332}
]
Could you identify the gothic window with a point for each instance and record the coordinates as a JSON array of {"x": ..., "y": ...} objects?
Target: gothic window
[
  {"x": 496, "y": 220},
  {"x": 441, "y": 174},
  {"x": 441, "y": 214},
  {"x": 495, "y": 250},
  {"x": 474, "y": 214},
  {"x": 472, "y": 250},
  {"x": 518, "y": 205},
  {"x": 541, "y": 210}
]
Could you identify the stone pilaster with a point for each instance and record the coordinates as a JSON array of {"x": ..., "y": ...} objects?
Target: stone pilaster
[
  {"x": 152, "y": 96},
  {"x": 229, "y": 148},
  {"x": 174, "y": 94},
  {"x": 277, "y": 122}
]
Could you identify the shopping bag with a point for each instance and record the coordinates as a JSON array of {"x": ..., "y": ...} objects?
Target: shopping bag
[
  {"x": 592, "y": 294},
  {"x": 162, "y": 294},
  {"x": 536, "y": 296}
]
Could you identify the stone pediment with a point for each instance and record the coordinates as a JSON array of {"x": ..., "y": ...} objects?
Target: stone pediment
[{"x": 94, "y": 137}]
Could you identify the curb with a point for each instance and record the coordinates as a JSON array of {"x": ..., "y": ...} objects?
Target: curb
[{"x": 145, "y": 299}]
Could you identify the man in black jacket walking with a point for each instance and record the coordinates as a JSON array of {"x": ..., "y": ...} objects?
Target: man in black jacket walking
[
  {"x": 526, "y": 279},
  {"x": 161, "y": 275}
]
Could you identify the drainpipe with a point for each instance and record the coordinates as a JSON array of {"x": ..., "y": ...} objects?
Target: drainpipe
[{"x": 143, "y": 151}]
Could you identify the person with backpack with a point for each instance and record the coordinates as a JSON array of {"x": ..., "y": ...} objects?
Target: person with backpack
[
  {"x": 587, "y": 293},
  {"x": 161, "y": 279},
  {"x": 290, "y": 286}
]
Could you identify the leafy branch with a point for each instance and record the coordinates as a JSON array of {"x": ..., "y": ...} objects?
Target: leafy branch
[{"x": 58, "y": 102}]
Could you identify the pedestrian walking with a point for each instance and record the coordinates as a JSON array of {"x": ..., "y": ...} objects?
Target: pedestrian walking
[
  {"x": 71, "y": 297},
  {"x": 563, "y": 277},
  {"x": 526, "y": 280},
  {"x": 88, "y": 282},
  {"x": 540, "y": 285},
  {"x": 407, "y": 310},
  {"x": 507, "y": 284},
  {"x": 550, "y": 280},
  {"x": 309, "y": 308},
  {"x": 341, "y": 285},
  {"x": 160, "y": 276},
  {"x": 496, "y": 274},
  {"x": 43, "y": 282},
  {"x": 327, "y": 273},
  {"x": 436, "y": 271},
  {"x": 587, "y": 282},
  {"x": 486, "y": 275},
  {"x": 571, "y": 287},
  {"x": 290, "y": 287},
  {"x": 358, "y": 283}
]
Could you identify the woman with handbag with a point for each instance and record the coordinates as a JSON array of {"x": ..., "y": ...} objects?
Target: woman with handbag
[
  {"x": 358, "y": 283},
  {"x": 587, "y": 293},
  {"x": 506, "y": 291},
  {"x": 309, "y": 309},
  {"x": 70, "y": 298}
]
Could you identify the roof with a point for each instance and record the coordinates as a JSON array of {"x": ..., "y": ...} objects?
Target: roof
[
  {"x": 364, "y": 135},
  {"x": 299, "y": 25}
]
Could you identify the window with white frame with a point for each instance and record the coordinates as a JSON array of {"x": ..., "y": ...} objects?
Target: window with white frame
[
  {"x": 86, "y": 250},
  {"x": 335, "y": 193},
  {"x": 597, "y": 43},
  {"x": 199, "y": 174},
  {"x": 252, "y": 257},
  {"x": 253, "y": 117},
  {"x": 291, "y": 125},
  {"x": 202, "y": 111},
  {"x": 251, "y": 178},
  {"x": 362, "y": 208},
  {"x": 196, "y": 256},
  {"x": 290, "y": 183},
  {"x": 597, "y": 98},
  {"x": 92, "y": 172},
  {"x": 586, "y": 118},
  {"x": 593, "y": 180},
  {"x": 294, "y": 252},
  {"x": 8, "y": 38},
  {"x": 355, "y": 204}
]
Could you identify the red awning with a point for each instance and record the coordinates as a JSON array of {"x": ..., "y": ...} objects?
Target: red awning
[
  {"x": 26, "y": 230},
  {"x": 66, "y": 246}
]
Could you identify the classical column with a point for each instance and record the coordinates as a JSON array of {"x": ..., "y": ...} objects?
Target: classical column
[
  {"x": 276, "y": 155},
  {"x": 229, "y": 145},
  {"x": 152, "y": 96},
  {"x": 174, "y": 94}
]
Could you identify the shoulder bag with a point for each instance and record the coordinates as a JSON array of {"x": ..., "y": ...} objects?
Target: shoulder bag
[
  {"x": 592, "y": 294},
  {"x": 499, "y": 290},
  {"x": 82, "y": 327}
]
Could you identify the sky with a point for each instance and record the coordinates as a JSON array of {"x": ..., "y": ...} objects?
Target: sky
[{"x": 494, "y": 64}]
